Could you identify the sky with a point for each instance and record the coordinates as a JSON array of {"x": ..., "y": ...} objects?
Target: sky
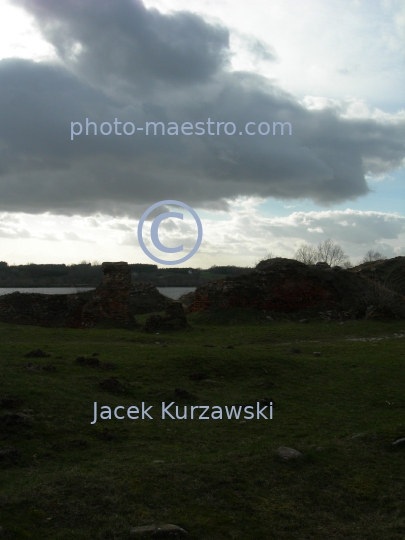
[{"x": 331, "y": 72}]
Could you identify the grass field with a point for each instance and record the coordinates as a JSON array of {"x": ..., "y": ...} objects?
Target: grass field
[{"x": 218, "y": 479}]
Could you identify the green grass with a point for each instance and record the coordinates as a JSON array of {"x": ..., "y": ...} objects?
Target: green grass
[{"x": 216, "y": 479}]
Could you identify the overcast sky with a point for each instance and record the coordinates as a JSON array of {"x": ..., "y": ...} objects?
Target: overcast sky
[{"x": 334, "y": 71}]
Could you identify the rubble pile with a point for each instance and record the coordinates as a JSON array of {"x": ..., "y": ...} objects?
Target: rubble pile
[{"x": 285, "y": 285}]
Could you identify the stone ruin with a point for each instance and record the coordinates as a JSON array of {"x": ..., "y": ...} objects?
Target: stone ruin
[
  {"x": 109, "y": 303},
  {"x": 145, "y": 298},
  {"x": 279, "y": 285},
  {"x": 287, "y": 286},
  {"x": 114, "y": 303}
]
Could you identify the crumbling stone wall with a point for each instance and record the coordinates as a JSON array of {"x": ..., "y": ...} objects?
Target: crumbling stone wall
[
  {"x": 388, "y": 272},
  {"x": 145, "y": 298},
  {"x": 283, "y": 285},
  {"x": 52, "y": 310}
]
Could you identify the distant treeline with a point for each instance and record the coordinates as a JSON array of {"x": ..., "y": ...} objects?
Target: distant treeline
[{"x": 88, "y": 275}]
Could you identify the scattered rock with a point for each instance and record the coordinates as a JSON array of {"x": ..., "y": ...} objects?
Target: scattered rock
[
  {"x": 11, "y": 420},
  {"x": 10, "y": 402},
  {"x": 37, "y": 367},
  {"x": 320, "y": 449},
  {"x": 158, "y": 530},
  {"x": 37, "y": 353},
  {"x": 88, "y": 362},
  {"x": 112, "y": 385},
  {"x": 198, "y": 376},
  {"x": 317, "y": 354},
  {"x": 94, "y": 363},
  {"x": 288, "y": 453},
  {"x": 304, "y": 321},
  {"x": 183, "y": 394},
  {"x": 9, "y": 455},
  {"x": 293, "y": 351},
  {"x": 399, "y": 441},
  {"x": 358, "y": 436},
  {"x": 269, "y": 318},
  {"x": 266, "y": 401}
]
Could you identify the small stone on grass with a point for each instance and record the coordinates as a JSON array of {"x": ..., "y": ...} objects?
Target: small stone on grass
[
  {"x": 112, "y": 385},
  {"x": 288, "y": 453},
  {"x": 158, "y": 530},
  {"x": 37, "y": 353},
  {"x": 399, "y": 441}
]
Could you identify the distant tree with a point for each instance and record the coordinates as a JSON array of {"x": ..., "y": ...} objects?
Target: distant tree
[
  {"x": 372, "y": 256},
  {"x": 331, "y": 253},
  {"x": 306, "y": 254},
  {"x": 327, "y": 251}
]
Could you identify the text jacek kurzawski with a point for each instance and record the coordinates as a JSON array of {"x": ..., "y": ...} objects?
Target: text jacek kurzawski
[{"x": 171, "y": 411}]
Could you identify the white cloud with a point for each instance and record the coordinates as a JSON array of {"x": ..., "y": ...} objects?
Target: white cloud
[
  {"x": 329, "y": 48},
  {"x": 241, "y": 236},
  {"x": 20, "y": 37}
]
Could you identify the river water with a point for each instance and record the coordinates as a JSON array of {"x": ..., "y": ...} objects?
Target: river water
[{"x": 171, "y": 292}]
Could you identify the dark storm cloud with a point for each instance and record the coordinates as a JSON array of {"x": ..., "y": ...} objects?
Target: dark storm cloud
[
  {"x": 168, "y": 68},
  {"x": 109, "y": 39}
]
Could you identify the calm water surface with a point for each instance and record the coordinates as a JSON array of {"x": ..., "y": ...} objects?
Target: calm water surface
[
  {"x": 175, "y": 292},
  {"x": 171, "y": 292}
]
